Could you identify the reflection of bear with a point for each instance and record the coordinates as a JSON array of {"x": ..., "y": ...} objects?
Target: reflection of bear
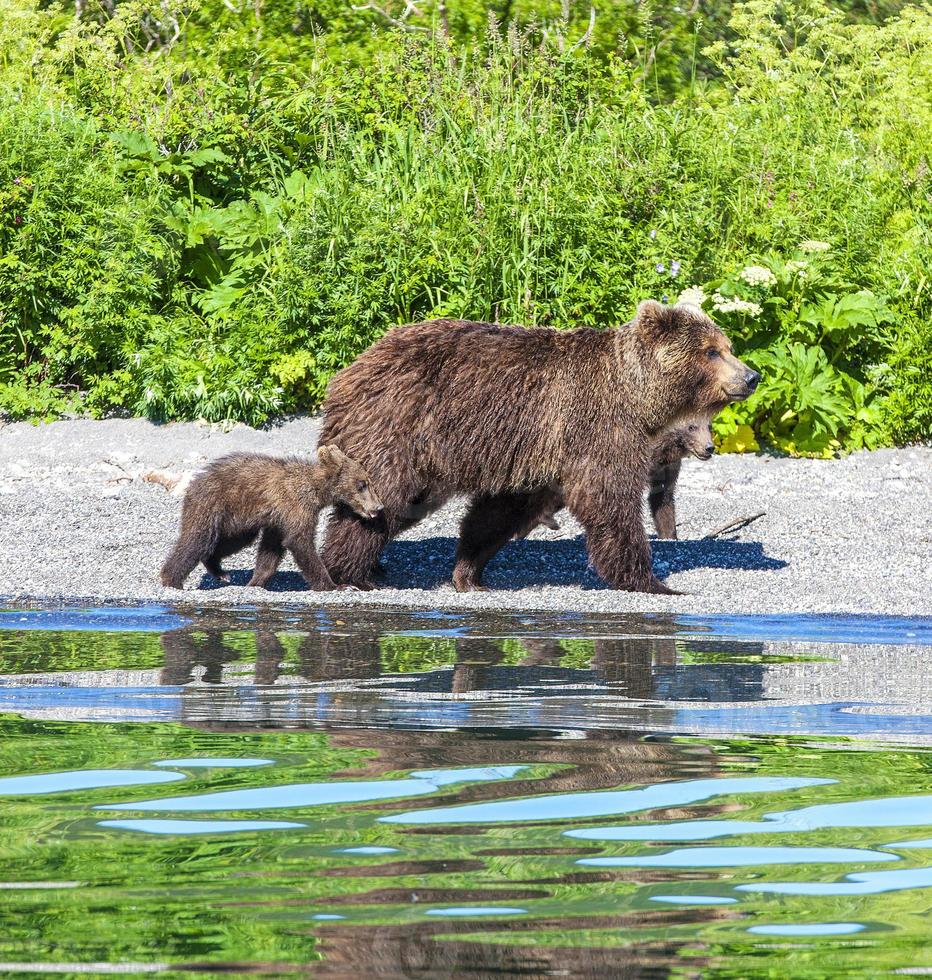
[
  {"x": 691, "y": 438},
  {"x": 504, "y": 413},
  {"x": 184, "y": 652},
  {"x": 238, "y": 496}
]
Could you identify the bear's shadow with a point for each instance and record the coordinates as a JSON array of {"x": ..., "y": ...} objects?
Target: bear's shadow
[{"x": 428, "y": 563}]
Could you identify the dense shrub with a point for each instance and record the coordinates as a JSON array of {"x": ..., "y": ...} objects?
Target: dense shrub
[
  {"x": 81, "y": 265},
  {"x": 205, "y": 231}
]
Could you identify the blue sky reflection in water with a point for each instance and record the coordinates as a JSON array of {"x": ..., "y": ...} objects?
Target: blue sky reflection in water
[{"x": 279, "y": 792}]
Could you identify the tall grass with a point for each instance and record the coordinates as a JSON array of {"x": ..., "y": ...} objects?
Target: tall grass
[{"x": 242, "y": 239}]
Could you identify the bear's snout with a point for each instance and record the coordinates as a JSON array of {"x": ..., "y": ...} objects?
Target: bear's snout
[{"x": 751, "y": 380}]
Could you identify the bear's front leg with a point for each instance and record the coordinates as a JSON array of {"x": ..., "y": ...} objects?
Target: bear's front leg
[
  {"x": 660, "y": 499},
  {"x": 353, "y": 545},
  {"x": 312, "y": 568},
  {"x": 609, "y": 509}
]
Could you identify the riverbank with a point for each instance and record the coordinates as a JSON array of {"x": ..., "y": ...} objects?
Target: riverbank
[{"x": 81, "y": 518}]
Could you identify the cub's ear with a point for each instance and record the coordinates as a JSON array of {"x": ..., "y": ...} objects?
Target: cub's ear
[
  {"x": 330, "y": 456},
  {"x": 653, "y": 319}
]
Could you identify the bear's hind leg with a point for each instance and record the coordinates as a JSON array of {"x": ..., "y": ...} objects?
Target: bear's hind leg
[
  {"x": 195, "y": 543},
  {"x": 226, "y": 546},
  {"x": 269, "y": 557},
  {"x": 490, "y": 523}
]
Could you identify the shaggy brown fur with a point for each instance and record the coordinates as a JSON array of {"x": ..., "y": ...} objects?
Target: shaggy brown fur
[
  {"x": 238, "y": 496},
  {"x": 504, "y": 413},
  {"x": 692, "y": 438}
]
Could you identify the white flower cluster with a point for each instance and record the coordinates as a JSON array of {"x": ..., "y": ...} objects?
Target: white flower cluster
[
  {"x": 725, "y": 305},
  {"x": 758, "y": 275},
  {"x": 811, "y": 246},
  {"x": 797, "y": 267},
  {"x": 694, "y": 296}
]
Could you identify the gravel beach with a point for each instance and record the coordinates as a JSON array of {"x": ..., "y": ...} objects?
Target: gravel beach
[{"x": 81, "y": 520}]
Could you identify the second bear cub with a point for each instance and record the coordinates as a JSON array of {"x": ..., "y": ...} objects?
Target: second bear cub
[
  {"x": 239, "y": 495},
  {"x": 690, "y": 438}
]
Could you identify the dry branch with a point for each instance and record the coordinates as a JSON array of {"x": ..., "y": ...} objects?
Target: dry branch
[{"x": 738, "y": 522}]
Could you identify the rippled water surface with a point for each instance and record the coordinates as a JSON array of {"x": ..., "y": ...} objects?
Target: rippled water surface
[{"x": 371, "y": 793}]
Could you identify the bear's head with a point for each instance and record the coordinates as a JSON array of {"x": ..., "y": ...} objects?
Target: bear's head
[
  {"x": 694, "y": 437},
  {"x": 687, "y": 361},
  {"x": 349, "y": 483}
]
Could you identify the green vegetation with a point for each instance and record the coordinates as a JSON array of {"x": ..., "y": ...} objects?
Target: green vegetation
[{"x": 208, "y": 207}]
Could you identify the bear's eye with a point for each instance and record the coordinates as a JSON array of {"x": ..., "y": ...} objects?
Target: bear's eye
[
  {"x": 360, "y": 485},
  {"x": 712, "y": 353},
  {"x": 693, "y": 428}
]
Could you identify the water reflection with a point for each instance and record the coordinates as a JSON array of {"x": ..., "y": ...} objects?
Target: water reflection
[
  {"x": 812, "y": 929},
  {"x": 363, "y": 876},
  {"x": 65, "y": 782},
  {"x": 397, "y": 670},
  {"x": 348, "y": 673},
  {"x": 187, "y": 827},
  {"x": 359, "y": 794},
  {"x": 580, "y": 805},
  {"x": 741, "y": 857},
  {"x": 866, "y": 883},
  {"x": 905, "y": 811}
]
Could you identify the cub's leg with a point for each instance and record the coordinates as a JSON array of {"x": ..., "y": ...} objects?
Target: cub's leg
[
  {"x": 549, "y": 502},
  {"x": 196, "y": 542},
  {"x": 660, "y": 499},
  {"x": 312, "y": 567},
  {"x": 489, "y": 524},
  {"x": 226, "y": 546},
  {"x": 269, "y": 557}
]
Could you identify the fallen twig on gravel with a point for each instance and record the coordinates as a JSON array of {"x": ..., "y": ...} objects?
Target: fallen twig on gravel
[
  {"x": 174, "y": 483},
  {"x": 738, "y": 522}
]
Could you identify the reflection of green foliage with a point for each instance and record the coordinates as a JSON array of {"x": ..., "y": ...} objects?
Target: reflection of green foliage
[
  {"x": 249, "y": 896},
  {"x": 513, "y": 652},
  {"x": 154, "y": 899},
  {"x": 28, "y": 651},
  {"x": 686, "y": 656},
  {"x": 578, "y": 654},
  {"x": 412, "y": 654}
]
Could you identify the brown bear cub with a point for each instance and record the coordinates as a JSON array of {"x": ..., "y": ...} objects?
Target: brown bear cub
[
  {"x": 239, "y": 495},
  {"x": 692, "y": 438},
  {"x": 504, "y": 413}
]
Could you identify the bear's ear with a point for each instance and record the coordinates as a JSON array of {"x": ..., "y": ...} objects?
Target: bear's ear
[
  {"x": 330, "y": 456},
  {"x": 654, "y": 320}
]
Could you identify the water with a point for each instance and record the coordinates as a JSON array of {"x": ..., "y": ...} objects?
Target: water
[{"x": 355, "y": 793}]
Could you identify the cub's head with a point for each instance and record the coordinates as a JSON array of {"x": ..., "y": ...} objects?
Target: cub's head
[
  {"x": 694, "y": 438},
  {"x": 349, "y": 482},
  {"x": 690, "y": 359}
]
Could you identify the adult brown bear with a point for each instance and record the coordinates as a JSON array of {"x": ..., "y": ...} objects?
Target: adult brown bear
[{"x": 505, "y": 414}]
